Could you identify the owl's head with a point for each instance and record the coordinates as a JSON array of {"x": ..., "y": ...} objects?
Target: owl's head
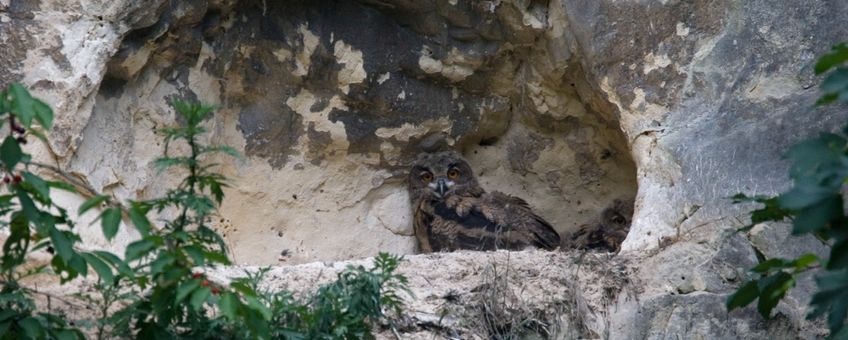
[
  {"x": 618, "y": 215},
  {"x": 440, "y": 175}
]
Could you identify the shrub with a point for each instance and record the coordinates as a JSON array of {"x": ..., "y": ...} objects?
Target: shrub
[{"x": 160, "y": 281}]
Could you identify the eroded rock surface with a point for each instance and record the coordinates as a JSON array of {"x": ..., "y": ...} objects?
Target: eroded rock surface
[
  {"x": 569, "y": 104},
  {"x": 330, "y": 102}
]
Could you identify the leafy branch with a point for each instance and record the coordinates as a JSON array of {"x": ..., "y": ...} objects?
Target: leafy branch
[
  {"x": 814, "y": 205},
  {"x": 160, "y": 281}
]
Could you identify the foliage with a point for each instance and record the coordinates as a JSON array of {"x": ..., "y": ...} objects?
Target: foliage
[
  {"x": 33, "y": 224},
  {"x": 814, "y": 205},
  {"x": 343, "y": 309},
  {"x": 171, "y": 296},
  {"x": 835, "y": 85},
  {"x": 160, "y": 281}
]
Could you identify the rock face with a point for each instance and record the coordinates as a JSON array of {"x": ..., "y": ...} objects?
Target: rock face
[
  {"x": 329, "y": 102},
  {"x": 569, "y": 104}
]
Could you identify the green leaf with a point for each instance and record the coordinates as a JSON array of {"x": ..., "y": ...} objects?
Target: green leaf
[
  {"x": 818, "y": 216},
  {"x": 5, "y": 106},
  {"x": 771, "y": 212},
  {"x": 838, "y": 312},
  {"x": 837, "y": 55},
  {"x": 214, "y": 256},
  {"x": 62, "y": 244},
  {"x": 242, "y": 287},
  {"x": 15, "y": 247},
  {"x": 223, "y": 149},
  {"x": 6, "y": 314},
  {"x": 43, "y": 113},
  {"x": 139, "y": 249},
  {"x": 215, "y": 188},
  {"x": 838, "y": 255},
  {"x": 66, "y": 334},
  {"x": 32, "y": 328},
  {"x": 161, "y": 263},
  {"x": 827, "y": 99},
  {"x": 163, "y": 163},
  {"x": 772, "y": 289},
  {"x": 832, "y": 286},
  {"x": 196, "y": 254},
  {"x": 174, "y": 273},
  {"x": 22, "y": 104},
  {"x": 836, "y": 82},
  {"x": 38, "y": 184},
  {"x": 186, "y": 288},
  {"x": 61, "y": 186},
  {"x": 4, "y": 327},
  {"x": 229, "y": 305},
  {"x": 100, "y": 267},
  {"x": 91, "y": 203},
  {"x": 199, "y": 296},
  {"x": 28, "y": 207},
  {"x": 805, "y": 261},
  {"x": 115, "y": 262},
  {"x": 10, "y": 153},
  {"x": 193, "y": 112},
  {"x": 258, "y": 306},
  {"x": 803, "y": 196},
  {"x": 766, "y": 266},
  {"x": 110, "y": 221},
  {"x": 260, "y": 329},
  {"x": 138, "y": 216},
  {"x": 841, "y": 334},
  {"x": 78, "y": 264}
]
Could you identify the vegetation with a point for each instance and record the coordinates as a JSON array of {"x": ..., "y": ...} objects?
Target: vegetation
[
  {"x": 160, "y": 283},
  {"x": 814, "y": 205}
]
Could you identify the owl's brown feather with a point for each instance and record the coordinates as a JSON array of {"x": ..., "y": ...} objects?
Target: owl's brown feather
[
  {"x": 485, "y": 222},
  {"x": 451, "y": 211},
  {"x": 607, "y": 231}
]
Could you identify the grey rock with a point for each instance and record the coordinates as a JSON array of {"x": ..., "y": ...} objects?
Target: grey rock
[{"x": 569, "y": 104}]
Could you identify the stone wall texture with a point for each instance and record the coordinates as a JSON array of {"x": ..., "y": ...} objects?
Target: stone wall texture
[{"x": 567, "y": 103}]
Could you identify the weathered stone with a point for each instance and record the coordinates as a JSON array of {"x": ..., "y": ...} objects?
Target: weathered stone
[
  {"x": 329, "y": 102},
  {"x": 709, "y": 95},
  {"x": 567, "y": 103}
]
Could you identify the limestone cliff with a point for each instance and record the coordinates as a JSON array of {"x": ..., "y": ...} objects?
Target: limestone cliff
[{"x": 567, "y": 103}]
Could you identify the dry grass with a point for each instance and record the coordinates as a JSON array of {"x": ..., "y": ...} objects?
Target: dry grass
[{"x": 503, "y": 313}]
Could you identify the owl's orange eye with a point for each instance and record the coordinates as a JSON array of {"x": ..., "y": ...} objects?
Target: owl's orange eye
[
  {"x": 427, "y": 176},
  {"x": 453, "y": 174}
]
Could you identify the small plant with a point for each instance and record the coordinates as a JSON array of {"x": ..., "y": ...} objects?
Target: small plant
[
  {"x": 347, "y": 308},
  {"x": 814, "y": 205},
  {"x": 171, "y": 296},
  {"x": 160, "y": 282}
]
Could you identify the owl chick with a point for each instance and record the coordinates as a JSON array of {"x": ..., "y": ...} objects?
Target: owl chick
[
  {"x": 607, "y": 231},
  {"x": 451, "y": 211}
]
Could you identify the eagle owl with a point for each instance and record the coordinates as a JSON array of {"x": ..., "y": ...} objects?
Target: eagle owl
[
  {"x": 605, "y": 232},
  {"x": 451, "y": 211}
]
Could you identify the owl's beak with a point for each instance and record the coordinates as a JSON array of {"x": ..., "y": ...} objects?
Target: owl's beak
[{"x": 441, "y": 187}]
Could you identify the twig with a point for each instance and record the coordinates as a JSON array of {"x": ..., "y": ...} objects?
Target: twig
[
  {"x": 76, "y": 182},
  {"x": 52, "y": 296},
  {"x": 394, "y": 330}
]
